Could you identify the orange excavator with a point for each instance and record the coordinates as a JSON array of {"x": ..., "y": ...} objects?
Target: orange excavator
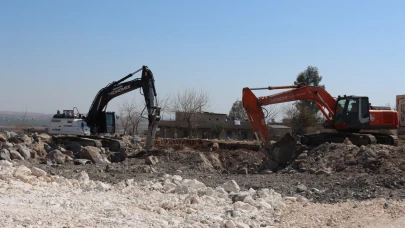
[{"x": 350, "y": 116}]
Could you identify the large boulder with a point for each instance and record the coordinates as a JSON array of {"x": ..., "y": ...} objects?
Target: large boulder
[
  {"x": 68, "y": 153},
  {"x": 56, "y": 156},
  {"x": 3, "y": 140},
  {"x": 10, "y": 134},
  {"x": 8, "y": 145},
  {"x": 15, "y": 155},
  {"x": 26, "y": 139},
  {"x": 45, "y": 138},
  {"x": 93, "y": 154},
  {"x": 16, "y": 139},
  {"x": 24, "y": 151},
  {"x": 47, "y": 147},
  {"x": 39, "y": 149},
  {"x": 4, "y": 154}
]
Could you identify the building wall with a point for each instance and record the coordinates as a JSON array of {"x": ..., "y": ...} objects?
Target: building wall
[
  {"x": 206, "y": 123},
  {"x": 205, "y": 133},
  {"x": 205, "y": 117},
  {"x": 400, "y": 106},
  {"x": 279, "y": 131},
  {"x": 204, "y": 127}
]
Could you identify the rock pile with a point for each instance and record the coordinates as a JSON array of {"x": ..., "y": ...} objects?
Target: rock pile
[
  {"x": 345, "y": 157},
  {"x": 39, "y": 147},
  {"x": 169, "y": 201},
  {"x": 206, "y": 145}
]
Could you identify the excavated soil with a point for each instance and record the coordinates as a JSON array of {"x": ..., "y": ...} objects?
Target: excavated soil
[{"x": 348, "y": 172}]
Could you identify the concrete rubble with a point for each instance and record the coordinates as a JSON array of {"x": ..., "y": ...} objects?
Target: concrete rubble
[
  {"x": 14, "y": 146},
  {"x": 168, "y": 201},
  {"x": 196, "y": 183},
  {"x": 346, "y": 157}
]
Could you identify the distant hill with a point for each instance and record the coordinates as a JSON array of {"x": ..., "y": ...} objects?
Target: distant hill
[
  {"x": 31, "y": 114},
  {"x": 10, "y": 118}
]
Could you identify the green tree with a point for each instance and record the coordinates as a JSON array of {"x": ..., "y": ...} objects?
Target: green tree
[
  {"x": 237, "y": 111},
  {"x": 307, "y": 113}
]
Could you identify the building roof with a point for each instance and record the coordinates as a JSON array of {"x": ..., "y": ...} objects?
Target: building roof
[
  {"x": 213, "y": 113},
  {"x": 205, "y": 113},
  {"x": 279, "y": 127},
  {"x": 228, "y": 125}
]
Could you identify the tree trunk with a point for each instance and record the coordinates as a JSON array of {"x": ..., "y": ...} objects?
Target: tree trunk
[{"x": 189, "y": 128}]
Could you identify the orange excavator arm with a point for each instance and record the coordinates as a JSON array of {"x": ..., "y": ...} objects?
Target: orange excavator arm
[{"x": 253, "y": 105}]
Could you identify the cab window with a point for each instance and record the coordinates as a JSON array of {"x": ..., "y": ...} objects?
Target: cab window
[
  {"x": 364, "y": 107},
  {"x": 353, "y": 106},
  {"x": 340, "y": 106}
]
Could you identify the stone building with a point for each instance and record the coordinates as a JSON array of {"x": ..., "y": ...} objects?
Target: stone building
[
  {"x": 205, "y": 124},
  {"x": 277, "y": 131}
]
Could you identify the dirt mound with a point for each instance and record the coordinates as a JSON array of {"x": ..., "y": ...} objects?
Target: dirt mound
[
  {"x": 202, "y": 144},
  {"x": 224, "y": 161},
  {"x": 335, "y": 157}
]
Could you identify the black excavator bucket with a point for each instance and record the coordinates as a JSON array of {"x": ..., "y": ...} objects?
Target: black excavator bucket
[{"x": 281, "y": 153}]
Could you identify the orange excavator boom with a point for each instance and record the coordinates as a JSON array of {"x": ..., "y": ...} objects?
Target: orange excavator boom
[{"x": 253, "y": 105}]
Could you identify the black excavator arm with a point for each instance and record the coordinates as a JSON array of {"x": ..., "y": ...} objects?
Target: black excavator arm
[{"x": 101, "y": 121}]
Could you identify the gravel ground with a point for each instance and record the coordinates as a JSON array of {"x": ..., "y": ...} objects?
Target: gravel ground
[
  {"x": 33, "y": 198},
  {"x": 214, "y": 168},
  {"x": 184, "y": 187}
]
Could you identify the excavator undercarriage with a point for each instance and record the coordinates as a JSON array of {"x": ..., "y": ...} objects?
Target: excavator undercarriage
[
  {"x": 358, "y": 139},
  {"x": 117, "y": 150},
  {"x": 113, "y": 144}
]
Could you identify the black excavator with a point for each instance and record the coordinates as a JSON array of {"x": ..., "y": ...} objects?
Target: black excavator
[{"x": 98, "y": 127}]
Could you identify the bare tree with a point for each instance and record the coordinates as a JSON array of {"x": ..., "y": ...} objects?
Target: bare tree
[
  {"x": 271, "y": 112},
  {"x": 289, "y": 111},
  {"x": 130, "y": 117},
  {"x": 188, "y": 105},
  {"x": 164, "y": 102},
  {"x": 124, "y": 120}
]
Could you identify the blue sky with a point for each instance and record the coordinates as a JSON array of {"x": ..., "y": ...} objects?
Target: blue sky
[{"x": 58, "y": 54}]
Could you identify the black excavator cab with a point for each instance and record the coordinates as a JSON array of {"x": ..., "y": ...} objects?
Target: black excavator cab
[{"x": 107, "y": 123}]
